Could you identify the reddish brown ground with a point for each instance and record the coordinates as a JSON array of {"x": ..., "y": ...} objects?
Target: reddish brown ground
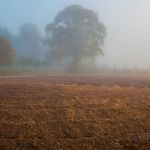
[{"x": 75, "y": 112}]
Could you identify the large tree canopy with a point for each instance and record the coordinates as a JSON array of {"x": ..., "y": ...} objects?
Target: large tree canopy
[
  {"x": 7, "y": 53},
  {"x": 75, "y": 33}
]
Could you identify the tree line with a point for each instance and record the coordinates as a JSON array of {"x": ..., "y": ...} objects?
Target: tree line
[{"x": 72, "y": 41}]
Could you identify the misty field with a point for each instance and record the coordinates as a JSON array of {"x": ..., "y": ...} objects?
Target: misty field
[{"x": 75, "y": 112}]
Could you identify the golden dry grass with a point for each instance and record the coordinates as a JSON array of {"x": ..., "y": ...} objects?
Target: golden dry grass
[{"x": 74, "y": 113}]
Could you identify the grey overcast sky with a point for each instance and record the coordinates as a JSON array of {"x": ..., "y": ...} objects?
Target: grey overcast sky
[{"x": 127, "y": 22}]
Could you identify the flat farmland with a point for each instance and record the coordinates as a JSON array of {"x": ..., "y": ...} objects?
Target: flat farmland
[{"x": 87, "y": 112}]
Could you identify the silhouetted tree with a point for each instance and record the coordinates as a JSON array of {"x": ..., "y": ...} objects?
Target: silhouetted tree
[
  {"x": 7, "y": 53},
  {"x": 29, "y": 42},
  {"x": 5, "y": 33},
  {"x": 77, "y": 34}
]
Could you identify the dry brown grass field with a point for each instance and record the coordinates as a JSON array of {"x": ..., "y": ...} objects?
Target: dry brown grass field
[{"x": 76, "y": 112}]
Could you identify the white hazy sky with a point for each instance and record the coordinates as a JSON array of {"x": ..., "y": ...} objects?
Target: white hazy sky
[{"x": 127, "y": 22}]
